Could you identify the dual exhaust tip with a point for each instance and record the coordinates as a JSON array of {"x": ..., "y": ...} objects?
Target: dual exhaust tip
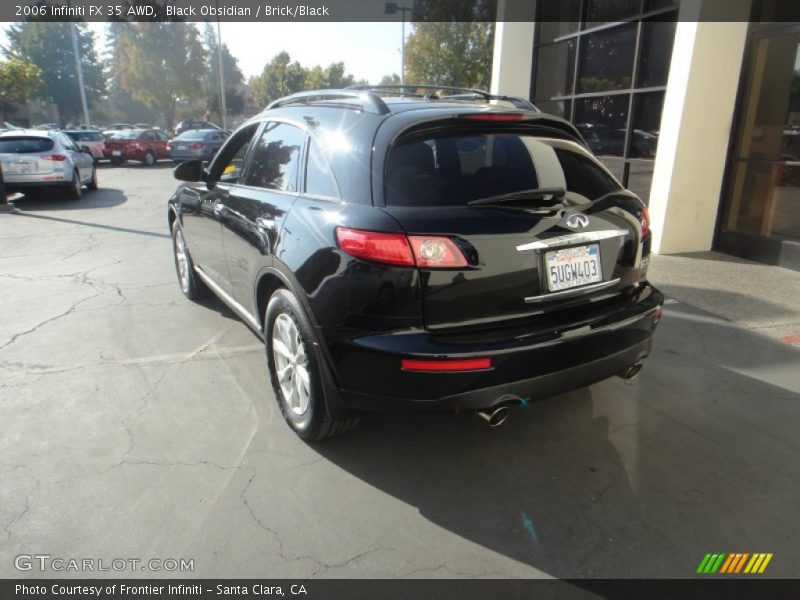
[{"x": 497, "y": 416}]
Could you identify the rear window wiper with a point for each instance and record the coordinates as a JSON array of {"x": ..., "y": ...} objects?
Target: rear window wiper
[{"x": 532, "y": 194}]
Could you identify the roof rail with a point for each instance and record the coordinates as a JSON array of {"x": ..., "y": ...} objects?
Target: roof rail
[
  {"x": 369, "y": 102},
  {"x": 462, "y": 93}
]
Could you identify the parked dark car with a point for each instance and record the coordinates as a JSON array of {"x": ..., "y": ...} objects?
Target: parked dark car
[
  {"x": 147, "y": 146},
  {"x": 420, "y": 252},
  {"x": 189, "y": 125},
  {"x": 200, "y": 144}
]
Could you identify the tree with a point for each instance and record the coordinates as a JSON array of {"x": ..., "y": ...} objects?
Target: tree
[
  {"x": 232, "y": 75},
  {"x": 17, "y": 80},
  {"x": 281, "y": 77},
  {"x": 450, "y": 53},
  {"x": 159, "y": 64},
  {"x": 393, "y": 79},
  {"x": 451, "y": 43},
  {"x": 49, "y": 47}
]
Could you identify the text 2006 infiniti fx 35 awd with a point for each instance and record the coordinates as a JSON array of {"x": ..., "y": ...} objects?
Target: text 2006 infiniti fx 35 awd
[{"x": 406, "y": 248}]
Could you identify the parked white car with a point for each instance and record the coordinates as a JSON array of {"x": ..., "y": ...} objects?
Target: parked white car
[{"x": 33, "y": 158}]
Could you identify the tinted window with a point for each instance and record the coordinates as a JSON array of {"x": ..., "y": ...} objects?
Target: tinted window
[
  {"x": 68, "y": 143},
  {"x": 229, "y": 163},
  {"x": 193, "y": 135},
  {"x": 24, "y": 145},
  {"x": 162, "y": 136},
  {"x": 606, "y": 60},
  {"x": 128, "y": 134},
  {"x": 276, "y": 157},
  {"x": 453, "y": 170},
  {"x": 319, "y": 179}
]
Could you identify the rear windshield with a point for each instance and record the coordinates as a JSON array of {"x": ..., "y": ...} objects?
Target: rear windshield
[
  {"x": 129, "y": 134},
  {"x": 86, "y": 136},
  {"x": 194, "y": 134},
  {"x": 25, "y": 145},
  {"x": 456, "y": 169}
]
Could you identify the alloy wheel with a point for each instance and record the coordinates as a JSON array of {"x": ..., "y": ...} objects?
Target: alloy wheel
[
  {"x": 182, "y": 259},
  {"x": 291, "y": 364}
]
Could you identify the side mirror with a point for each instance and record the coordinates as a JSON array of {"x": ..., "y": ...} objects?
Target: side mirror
[{"x": 191, "y": 170}]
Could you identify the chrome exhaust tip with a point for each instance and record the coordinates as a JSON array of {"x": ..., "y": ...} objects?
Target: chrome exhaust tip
[
  {"x": 495, "y": 417},
  {"x": 632, "y": 371}
]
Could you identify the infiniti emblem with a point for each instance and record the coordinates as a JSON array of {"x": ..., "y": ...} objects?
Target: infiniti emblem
[{"x": 577, "y": 221}]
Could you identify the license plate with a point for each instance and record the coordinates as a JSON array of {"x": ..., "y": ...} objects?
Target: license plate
[
  {"x": 17, "y": 167},
  {"x": 573, "y": 267},
  {"x": 180, "y": 146},
  {"x": 116, "y": 153}
]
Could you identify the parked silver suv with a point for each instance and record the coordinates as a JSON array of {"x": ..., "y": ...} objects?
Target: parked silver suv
[{"x": 45, "y": 159}]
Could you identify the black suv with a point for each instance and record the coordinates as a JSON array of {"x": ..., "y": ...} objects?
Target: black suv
[{"x": 410, "y": 247}]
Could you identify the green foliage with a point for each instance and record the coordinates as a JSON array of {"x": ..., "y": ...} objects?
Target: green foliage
[
  {"x": 159, "y": 64},
  {"x": 232, "y": 77},
  {"x": 450, "y": 53},
  {"x": 282, "y": 77},
  {"x": 393, "y": 79},
  {"x": 49, "y": 47},
  {"x": 17, "y": 80}
]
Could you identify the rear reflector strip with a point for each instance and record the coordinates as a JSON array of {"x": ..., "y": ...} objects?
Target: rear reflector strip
[{"x": 447, "y": 366}]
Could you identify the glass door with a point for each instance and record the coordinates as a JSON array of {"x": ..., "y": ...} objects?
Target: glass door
[{"x": 765, "y": 187}]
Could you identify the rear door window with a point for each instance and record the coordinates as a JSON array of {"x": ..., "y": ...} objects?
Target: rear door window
[
  {"x": 276, "y": 157},
  {"x": 456, "y": 169}
]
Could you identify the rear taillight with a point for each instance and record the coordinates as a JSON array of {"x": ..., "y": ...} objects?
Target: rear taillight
[
  {"x": 389, "y": 248},
  {"x": 169, "y": 145},
  {"x": 197, "y": 146},
  {"x": 657, "y": 314},
  {"x": 436, "y": 252},
  {"x": 644, "y": 219},
  {"x": 446, "y": 366},
  {"x": 55, "y": 157},
  {"x": 425, "y": 251}
]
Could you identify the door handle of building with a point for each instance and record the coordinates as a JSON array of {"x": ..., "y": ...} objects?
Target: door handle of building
[
  {"x": 792, "y": 163},
  {"x": 268, "y": 224}
]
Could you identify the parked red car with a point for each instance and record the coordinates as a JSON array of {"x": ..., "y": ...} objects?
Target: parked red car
[{"x": 145, "y": 145}]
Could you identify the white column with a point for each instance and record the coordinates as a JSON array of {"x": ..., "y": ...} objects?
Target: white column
[
  {"x": 513, "y": 52},
  {"x": 696, "y": 125}
]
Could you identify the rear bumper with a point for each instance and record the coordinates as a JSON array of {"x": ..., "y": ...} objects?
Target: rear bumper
[
  {"x": 539, "y": 365},
  {"x": 124, "y": 155}
]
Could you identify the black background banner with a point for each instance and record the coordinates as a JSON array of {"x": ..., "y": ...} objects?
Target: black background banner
[
  {"x": 711, "y": 588},
  {"x": 267, "y": 11}
]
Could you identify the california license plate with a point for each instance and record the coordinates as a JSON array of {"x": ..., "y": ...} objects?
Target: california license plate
[
  {"x": 17, "y": 167},
  {"x": 573, "y": 267}
]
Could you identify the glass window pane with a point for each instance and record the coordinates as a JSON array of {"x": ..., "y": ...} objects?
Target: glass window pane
[
  {"x": 555, "y": 69},
  {"x": 646, "y": 123},
  {"x": 640, "y": 178},
  {"x": 275, "y": 158},
  {"x": 607, "y": 11},
  {"x": 583, "y": 176},
  {"x": 606, "y": 59},
  {"x": 765, "y": 200},
  {"x": 557, "y": 18},
  {"x": 650, "y": 5},
  {"x": 602, "y": 123},
  {"x": 657, "y": 38},
  {"x": 559, "y": 108},
  {"x": 319, "y": 179}
]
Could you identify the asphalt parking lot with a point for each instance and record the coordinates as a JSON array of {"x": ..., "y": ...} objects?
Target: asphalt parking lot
[{"x": 137, "y": 424}]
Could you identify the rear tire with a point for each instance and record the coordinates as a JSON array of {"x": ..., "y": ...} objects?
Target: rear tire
[
  {"x": 192, "y": 287},
  {"x": 75, "y": 190},
  {"x": 92, "y": 185},
  {"x": 294, "y": 370},
  {"x": 149, "y": 159}
]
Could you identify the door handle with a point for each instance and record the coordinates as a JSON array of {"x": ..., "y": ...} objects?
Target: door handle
[
  {"x": 792, "y": 163},
  {"x": 218, "y": 206},
  {"x": 268, "y": 224}
]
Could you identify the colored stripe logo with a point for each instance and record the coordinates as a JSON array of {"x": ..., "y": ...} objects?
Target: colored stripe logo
[{"x": 734, "y": 563}]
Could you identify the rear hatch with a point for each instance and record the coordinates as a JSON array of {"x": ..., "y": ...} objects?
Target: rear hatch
[
  {"x": 24, "y": 155},
  {"x": 543, "y": 226}
]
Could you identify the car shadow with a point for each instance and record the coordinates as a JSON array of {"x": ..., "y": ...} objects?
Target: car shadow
[
  {"x": 36, "y": 200},
  {"x": 623, "y": 479}
]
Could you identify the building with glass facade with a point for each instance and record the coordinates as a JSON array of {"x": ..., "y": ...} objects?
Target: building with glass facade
[{"x": 698, "y": 115}]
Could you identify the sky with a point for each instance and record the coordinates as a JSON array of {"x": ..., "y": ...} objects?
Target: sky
[{"x": 368, "y": 50}]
